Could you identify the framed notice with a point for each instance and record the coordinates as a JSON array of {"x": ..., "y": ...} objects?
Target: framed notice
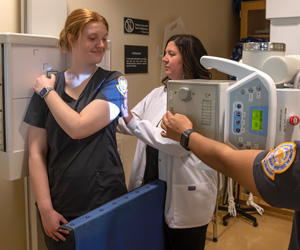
[
  {"x": 136, "y": 26},
  {"x": 136, "y": 59}
]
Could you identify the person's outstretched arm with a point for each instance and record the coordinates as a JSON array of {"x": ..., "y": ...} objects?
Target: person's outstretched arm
[{"x": 237, "y": 164}]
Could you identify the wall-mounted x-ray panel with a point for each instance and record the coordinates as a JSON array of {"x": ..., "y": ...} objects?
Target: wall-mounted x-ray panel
[{"x": 24, "y": 57}]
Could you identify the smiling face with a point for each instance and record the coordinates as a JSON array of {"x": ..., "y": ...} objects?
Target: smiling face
[
  {"x": 173, "y": 62},
  {"x": 91, "y": 45}
]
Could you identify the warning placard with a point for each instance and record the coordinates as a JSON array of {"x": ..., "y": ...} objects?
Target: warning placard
[
  {"x": 136, "y": 26},
  {"x": 136, "y": 59}
]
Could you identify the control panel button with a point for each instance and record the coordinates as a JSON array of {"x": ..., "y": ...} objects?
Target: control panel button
[{"x": 243, "y": 91}]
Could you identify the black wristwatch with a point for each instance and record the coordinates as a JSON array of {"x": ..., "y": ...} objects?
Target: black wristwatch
[
  {"x": 184, "y": 139},
  {"x": 45, "y": 91}
]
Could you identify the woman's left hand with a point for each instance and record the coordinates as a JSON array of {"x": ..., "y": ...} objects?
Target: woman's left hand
[
  {"x": 42, "y": 82},
  {"x": 126, "y": 112}
]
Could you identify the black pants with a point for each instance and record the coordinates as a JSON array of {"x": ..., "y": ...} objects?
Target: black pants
[
  {"x": 151, "y": 169},
  {"x": 185, "y": 239}
]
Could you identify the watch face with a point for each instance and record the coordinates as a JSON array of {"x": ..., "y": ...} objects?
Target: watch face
[
  {"x": 43, "y": 92},
  {"x": 183, "y": 140}
]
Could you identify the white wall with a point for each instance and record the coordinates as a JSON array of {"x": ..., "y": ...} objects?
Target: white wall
[
  {"x": 284, "y": 17},
  {"x": 10, "y": 18},
  {"x": 38, "y": 20}
]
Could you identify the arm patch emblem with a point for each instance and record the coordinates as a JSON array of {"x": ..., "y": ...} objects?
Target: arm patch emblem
[
  {"x": 279, "y": 160},
  {"x": 122, "y": 85}
]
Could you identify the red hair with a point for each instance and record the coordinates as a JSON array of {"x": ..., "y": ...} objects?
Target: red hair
[{"x": 74, "y": 25}]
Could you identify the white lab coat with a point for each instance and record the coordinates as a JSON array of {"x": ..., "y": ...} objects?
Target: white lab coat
[{"x": 184, "y": 206}]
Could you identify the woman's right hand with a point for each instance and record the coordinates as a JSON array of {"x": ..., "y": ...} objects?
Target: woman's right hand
[
  {"x": 174, "y": 125},
  {"x": 42, "y": 82},
  {"x": 51, "y": 222}
]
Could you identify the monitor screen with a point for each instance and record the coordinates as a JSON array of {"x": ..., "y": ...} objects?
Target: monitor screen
[{"x": 257, "y": 116}]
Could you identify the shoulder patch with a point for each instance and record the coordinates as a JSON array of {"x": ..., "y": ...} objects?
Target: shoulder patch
[
  {"x": 279, "y": 160},
  {"x": 122, "y": 85}
]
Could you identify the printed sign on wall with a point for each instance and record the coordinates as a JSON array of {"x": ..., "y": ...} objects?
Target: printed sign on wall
[
  {"x": 136, "y": 59},
  {"x": 136, "y": 26}
]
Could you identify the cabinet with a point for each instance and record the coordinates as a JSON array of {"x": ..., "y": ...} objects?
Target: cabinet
[{"x": 253, "y": 20}]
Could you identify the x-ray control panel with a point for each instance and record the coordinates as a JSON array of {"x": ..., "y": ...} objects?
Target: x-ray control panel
[
  {"x": 251, "y": 104},
  {"x": 257, "y": 114},
  {"x": 248, "y": 115},
  {"x": 240, "y": 113}
]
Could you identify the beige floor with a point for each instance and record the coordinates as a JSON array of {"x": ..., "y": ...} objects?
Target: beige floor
[{"x": 273, "y": 232}]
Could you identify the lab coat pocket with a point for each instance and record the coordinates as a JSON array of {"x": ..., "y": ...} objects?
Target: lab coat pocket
[{"x": 193, "y": 204}]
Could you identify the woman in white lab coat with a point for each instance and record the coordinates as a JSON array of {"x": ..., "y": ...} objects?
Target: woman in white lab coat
[{"x": 191, "y": 191}]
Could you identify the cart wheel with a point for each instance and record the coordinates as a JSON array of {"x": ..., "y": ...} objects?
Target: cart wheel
[
  {"x": 255, "y": 224},
  {"x": 215, "y": 239},
  {"x": 225, "y": 223}
]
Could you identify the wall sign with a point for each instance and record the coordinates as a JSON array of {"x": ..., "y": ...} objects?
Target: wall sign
[
  {"x": 136, "y": 59},
  {"x": 136, "y": 26}
]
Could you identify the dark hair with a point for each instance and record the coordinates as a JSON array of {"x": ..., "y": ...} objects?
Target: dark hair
[
  {"x": 74, "y": 25},
  {"x": 191, "y": 50}
]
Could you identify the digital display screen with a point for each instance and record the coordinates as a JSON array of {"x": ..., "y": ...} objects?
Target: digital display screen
[{"x": 257, "y": 116}]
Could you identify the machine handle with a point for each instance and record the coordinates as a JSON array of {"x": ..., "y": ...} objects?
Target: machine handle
[{"x": 230, "y": 67}]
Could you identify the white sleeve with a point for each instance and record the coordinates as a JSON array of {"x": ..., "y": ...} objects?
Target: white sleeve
[
  {"x": 122, "y": 127},
  {"x": 151, "y": 135}
]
